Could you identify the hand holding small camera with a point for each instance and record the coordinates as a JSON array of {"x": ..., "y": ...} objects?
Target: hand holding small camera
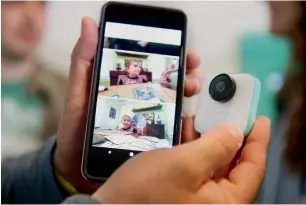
[{"x": 208, "y": 170}]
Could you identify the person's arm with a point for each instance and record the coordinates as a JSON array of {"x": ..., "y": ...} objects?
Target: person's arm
[{"x": 30, "y": 178}]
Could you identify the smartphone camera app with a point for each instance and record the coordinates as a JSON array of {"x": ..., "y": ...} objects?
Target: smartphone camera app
[{"x": 136, "y": 103}]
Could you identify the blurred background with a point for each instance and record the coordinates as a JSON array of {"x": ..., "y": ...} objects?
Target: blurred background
[
  {"x": 215, "y": 30},
  {"x": 265, "y": 39},
  {"x": 225, "y": 34},
  {"x": 229, "y": 36}
]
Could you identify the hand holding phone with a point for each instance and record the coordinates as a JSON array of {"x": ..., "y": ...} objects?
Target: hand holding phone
[
  {"x": 136, "y": 44},
  {"x": 71, "y": 133}
]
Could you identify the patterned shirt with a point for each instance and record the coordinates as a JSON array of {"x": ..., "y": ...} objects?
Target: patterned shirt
[{"x": 22, "y": 122}]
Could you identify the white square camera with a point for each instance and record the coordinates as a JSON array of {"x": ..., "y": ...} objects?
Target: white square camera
[{"x": 228, "y": 98}]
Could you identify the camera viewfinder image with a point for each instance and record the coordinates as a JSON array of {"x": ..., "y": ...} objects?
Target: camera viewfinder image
[
  {"x": 138, "y": 88},
  {"x": 133, "y": 124}
]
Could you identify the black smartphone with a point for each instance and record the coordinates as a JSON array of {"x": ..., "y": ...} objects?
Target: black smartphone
[{"x": 137, "y": 86}]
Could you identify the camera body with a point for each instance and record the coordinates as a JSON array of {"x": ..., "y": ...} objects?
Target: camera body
[{"x": 228, "y": 98}]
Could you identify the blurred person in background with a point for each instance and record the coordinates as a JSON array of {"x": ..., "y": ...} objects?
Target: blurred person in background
[
  {"x": 32, "y": 95},
  {"x": 286, "y": 170}
]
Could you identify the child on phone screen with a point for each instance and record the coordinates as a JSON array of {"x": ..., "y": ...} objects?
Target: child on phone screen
[
  {"x": 132, "y": 76},
  {"x": 128, "y": 125}
]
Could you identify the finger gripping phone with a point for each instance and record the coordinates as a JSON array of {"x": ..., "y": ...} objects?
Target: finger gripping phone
[
  {"x": 137, "y": 87},
  {"x": 228, "y": 98}
]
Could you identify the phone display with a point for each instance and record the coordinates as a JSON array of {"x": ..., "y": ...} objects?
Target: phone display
[
  {"x": 136, "y": 109},
  {"x": 137, "y": 88}
]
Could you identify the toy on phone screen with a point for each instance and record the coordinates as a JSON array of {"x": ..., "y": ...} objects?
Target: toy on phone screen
[
  {"x": 146, "y": 93},
  {"x": 228, "y": 98},
  {"x": 115, "y": 96}
]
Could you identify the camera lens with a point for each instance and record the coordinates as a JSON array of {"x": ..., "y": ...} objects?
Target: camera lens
[{"x": 222, "y": 88}]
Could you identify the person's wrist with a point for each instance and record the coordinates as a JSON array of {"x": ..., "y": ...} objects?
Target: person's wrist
[
  {"x": 69, "y": 168},
  {"x": 60, "y": 172},
  {"x": 58, "y": 163},
  {"x": 68, "y": 188},
  {"x": 66, "y": 167}
]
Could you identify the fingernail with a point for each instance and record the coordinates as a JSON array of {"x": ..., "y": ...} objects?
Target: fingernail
[{"x": 237, "y": 133}]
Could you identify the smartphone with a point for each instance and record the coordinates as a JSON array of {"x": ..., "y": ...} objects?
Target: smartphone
[
  {"x": 137, "y": 86},
  {"x": 228, "y": 98}
]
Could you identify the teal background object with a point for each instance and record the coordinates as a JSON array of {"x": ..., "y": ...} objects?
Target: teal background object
[{"x": 266, "y": 57}]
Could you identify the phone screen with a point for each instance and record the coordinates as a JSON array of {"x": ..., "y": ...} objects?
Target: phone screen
[
  {"x": 139, "y": 87},
  {"x": 137, "y": 90}
]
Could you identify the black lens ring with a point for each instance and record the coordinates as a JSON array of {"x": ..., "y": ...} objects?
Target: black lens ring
[{"x": 229, "y": 90}]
